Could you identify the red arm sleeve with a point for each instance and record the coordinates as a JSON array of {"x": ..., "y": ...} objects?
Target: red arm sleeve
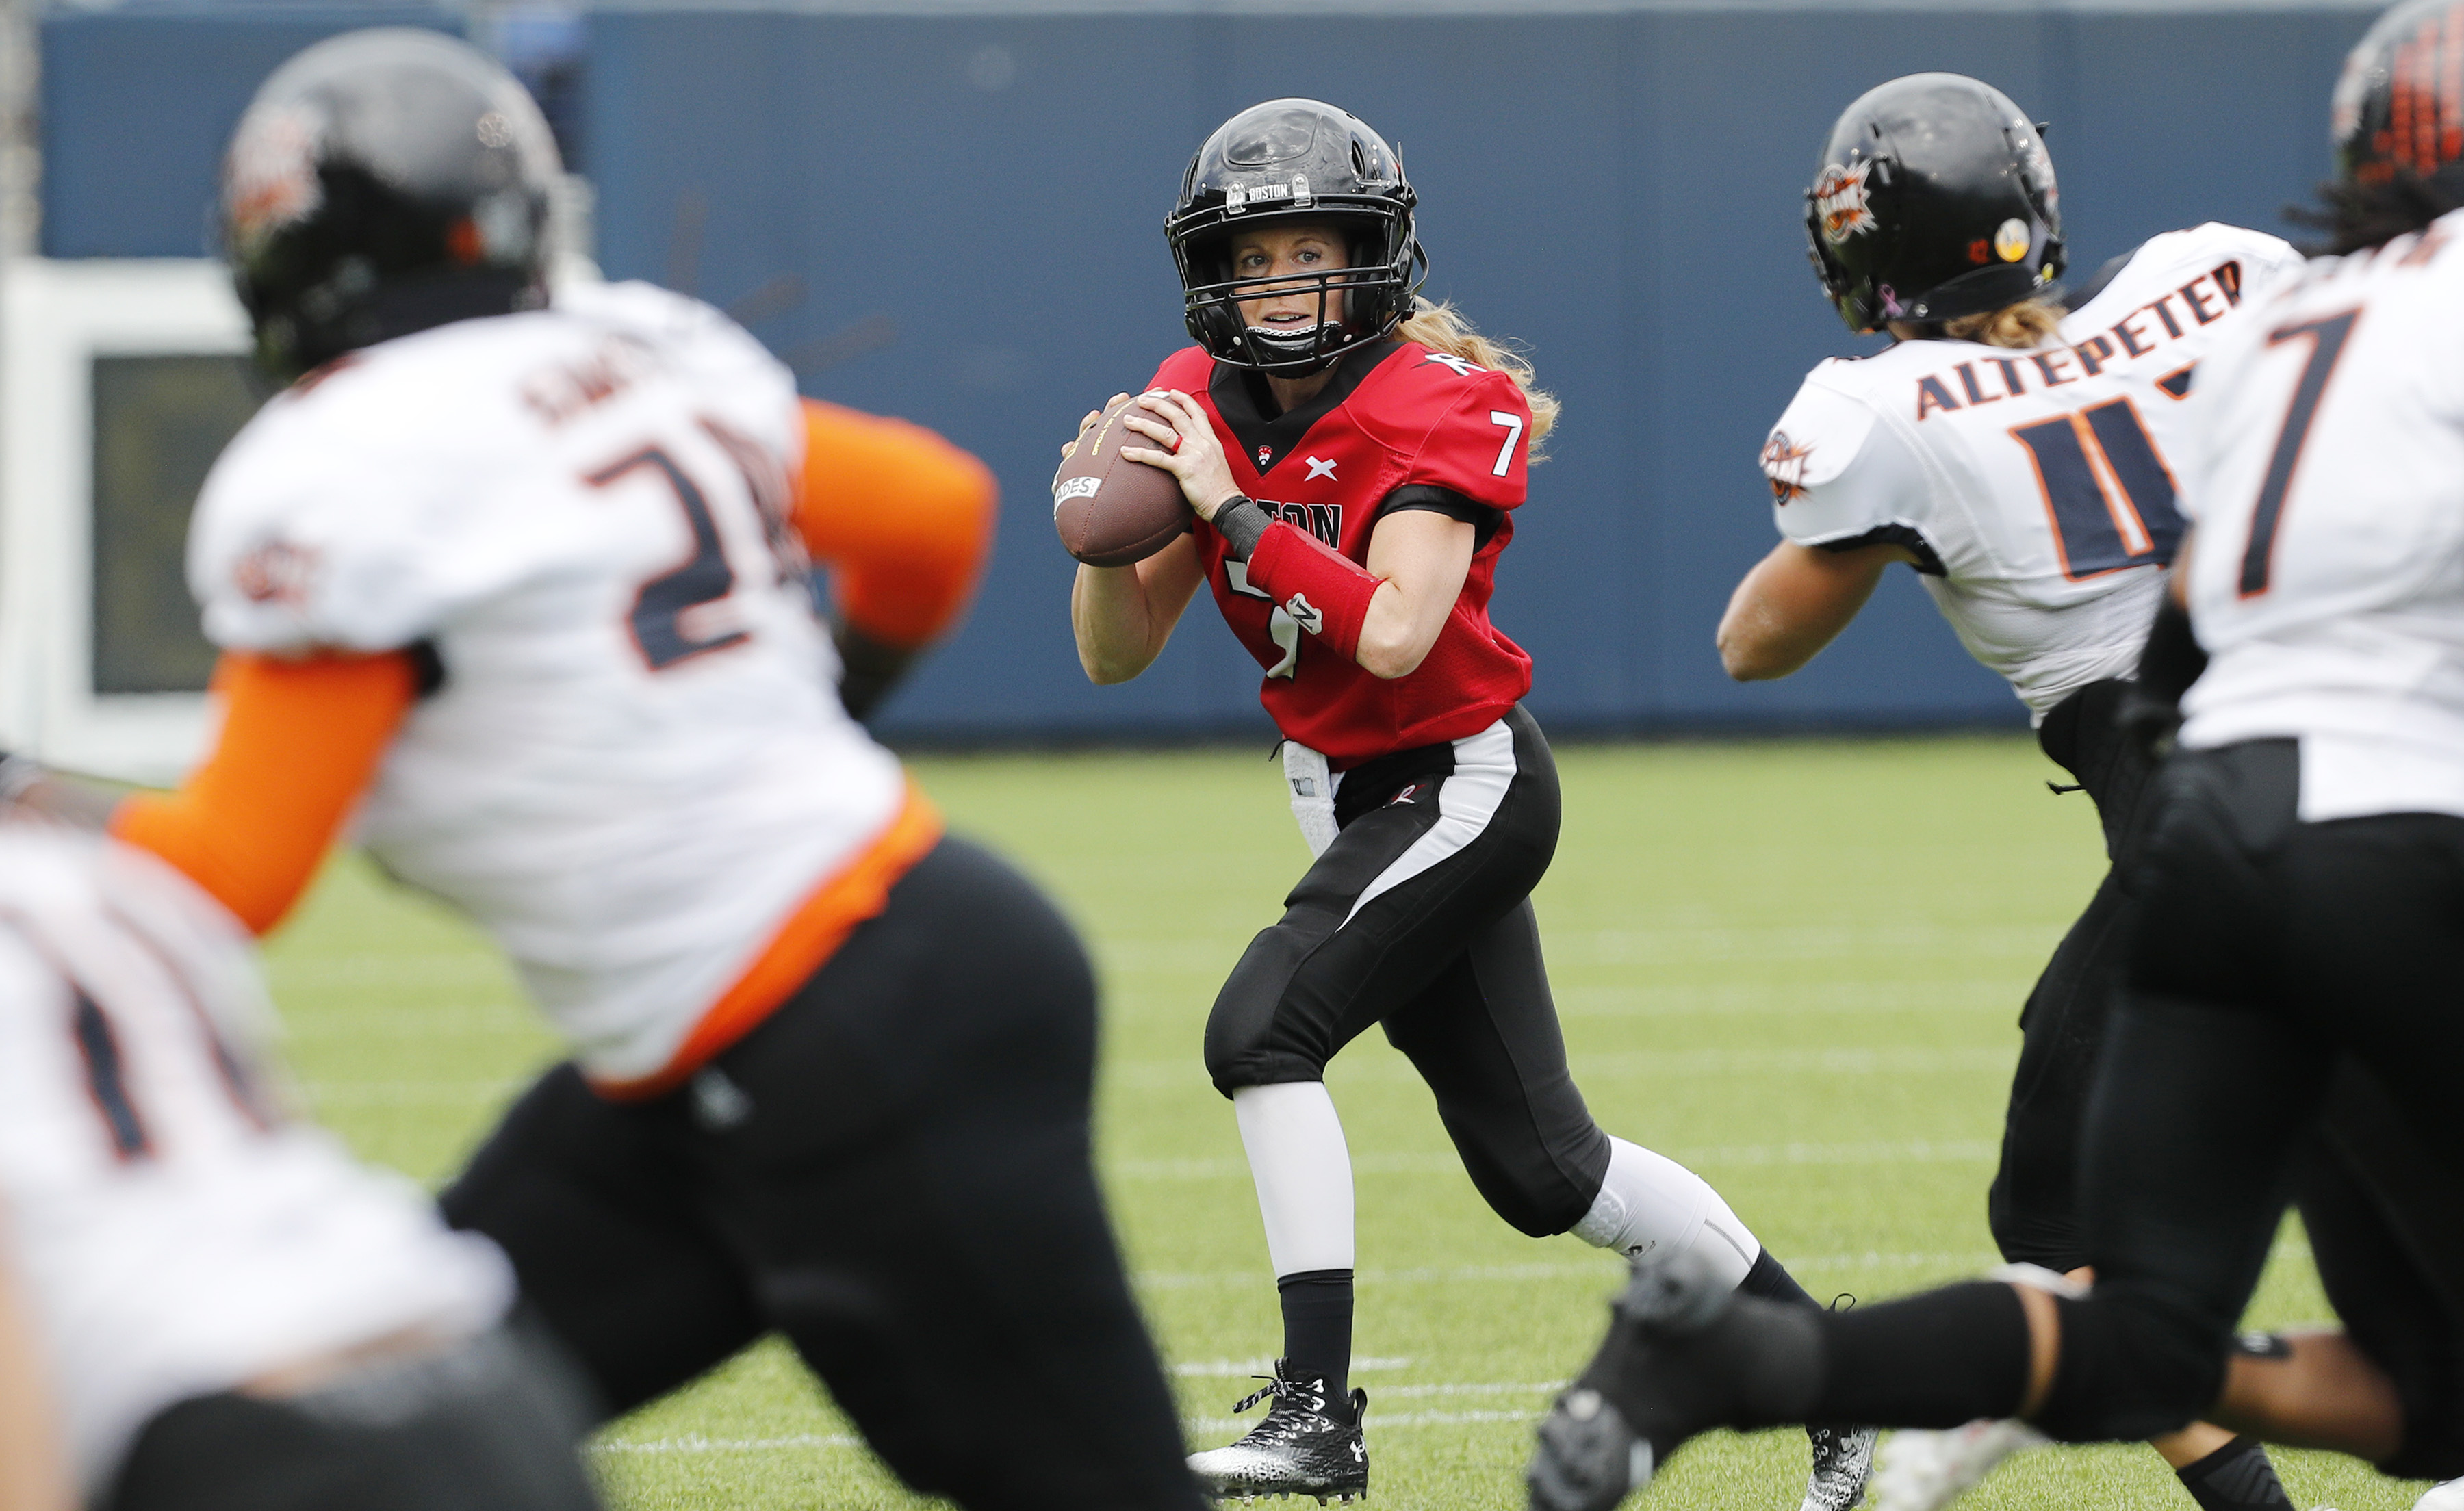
[
  {"x": 300, "y": 740},
  {"x": 1326, "y": 594},
  {"x": 903, "y": 518}
]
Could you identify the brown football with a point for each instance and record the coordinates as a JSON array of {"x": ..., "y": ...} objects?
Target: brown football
[{"x": 1110, "y": 511}]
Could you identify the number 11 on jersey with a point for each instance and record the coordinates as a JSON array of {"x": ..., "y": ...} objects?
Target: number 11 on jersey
[{"x": 2109, "y": 493}]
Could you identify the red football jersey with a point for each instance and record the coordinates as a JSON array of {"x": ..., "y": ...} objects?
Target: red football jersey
[{"x": 1396, "y": 416}]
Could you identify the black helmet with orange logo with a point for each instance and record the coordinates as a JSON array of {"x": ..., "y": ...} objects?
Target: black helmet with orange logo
[
  {"x": 383, "y": 182},
  {"x": 2397, "y": 124},
  {"x": 1933, "y": 199}
]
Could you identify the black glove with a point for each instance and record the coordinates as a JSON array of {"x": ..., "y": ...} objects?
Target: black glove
[{"x": 2150, "y": 711}]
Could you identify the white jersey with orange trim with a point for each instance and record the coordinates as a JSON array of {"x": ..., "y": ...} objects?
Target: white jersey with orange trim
[
  {"x": 636, "y": 765},
  {"x": 175, "y": 1234},
  {"x": 2327, "y": 578},
  {"x": 2035, "y": 488}
]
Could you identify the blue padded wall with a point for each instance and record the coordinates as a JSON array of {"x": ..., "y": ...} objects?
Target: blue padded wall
[
  {"x": 138, "y": 104},
  {"x": 1619, "y": 190},
  {"x": 971, "y": 205}
]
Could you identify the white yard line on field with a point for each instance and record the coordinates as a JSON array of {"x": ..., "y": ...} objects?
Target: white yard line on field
[
  {"x": 410, "y": 1093},
  {"x": 1602, "y": 1269},
  {"x": 695, "y": 1443},
  {"x": 1376, "y": 1421},
  {"x": 1902, "y": 1059},
  {"x": 1910, "y": 1151},
  {"x": 1672, "y": 945},
  {"x": 1994, "y": 995},
  {"x": 1259, "y": 1367}
]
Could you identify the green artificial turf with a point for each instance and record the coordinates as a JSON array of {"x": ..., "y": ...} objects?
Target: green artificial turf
[{"x": 1795, "y": 966}]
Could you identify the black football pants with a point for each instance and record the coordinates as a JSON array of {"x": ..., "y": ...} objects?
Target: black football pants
[
  {"x": 2033, "y": 1203},
  {"x": 1445, "y": 842},
  {"x": 2289, "y": 1027},
  {"x": 2270, "y": 957},
  {"x": 894, "y": 1170}
]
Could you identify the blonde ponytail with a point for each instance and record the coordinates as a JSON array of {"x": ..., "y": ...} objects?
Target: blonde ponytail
[
  {"x": 1443, "y": 328},
  {"x": 2021, "y": 327}
]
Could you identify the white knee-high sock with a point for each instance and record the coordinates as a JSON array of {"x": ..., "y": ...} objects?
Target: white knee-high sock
[
  {"x": 1303, "y": 1171},
  {"x": 1649, "y": 1202}
]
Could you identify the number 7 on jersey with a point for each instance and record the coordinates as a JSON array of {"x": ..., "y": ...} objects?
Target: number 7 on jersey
[{"x": 1513, "y": 423}]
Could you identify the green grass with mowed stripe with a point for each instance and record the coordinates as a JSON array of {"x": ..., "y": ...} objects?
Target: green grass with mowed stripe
[{"x": 1794, "y": 964}]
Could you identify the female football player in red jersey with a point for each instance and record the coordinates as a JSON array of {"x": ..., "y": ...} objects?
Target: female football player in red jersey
[{"x": 1356, "y": 456}]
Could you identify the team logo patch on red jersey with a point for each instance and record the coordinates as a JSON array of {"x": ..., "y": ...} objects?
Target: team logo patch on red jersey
[
  {"x": 1784, "y": 463},
  {"x": 1266, "y": 455},
  {"x": 1840, "y": 202}
]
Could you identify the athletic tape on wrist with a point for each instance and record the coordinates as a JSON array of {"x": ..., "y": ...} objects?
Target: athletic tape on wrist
[{"x": 1324, "y": 594}]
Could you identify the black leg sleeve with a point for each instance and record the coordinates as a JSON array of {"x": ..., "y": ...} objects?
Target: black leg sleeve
[
  {"x": 1936, "y": 1360},
  {"x": 2192, "y": 1134}
]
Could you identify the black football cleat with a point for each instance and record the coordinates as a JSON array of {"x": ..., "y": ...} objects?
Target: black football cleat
[
  {"x": 1843, "y": 1456},
  {"x": 1301, "y": 1449},
  {"x": 1685, "y": 1353}
]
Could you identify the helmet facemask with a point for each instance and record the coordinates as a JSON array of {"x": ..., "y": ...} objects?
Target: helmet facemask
[
  {"x": 1358, "y": 302},
  {"x": 1292, "y": 163}
]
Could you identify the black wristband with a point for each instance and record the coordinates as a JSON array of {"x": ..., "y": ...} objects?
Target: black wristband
[
  {"x": 1242, "y": 524},
  {"x": 2149, "y": 711}
]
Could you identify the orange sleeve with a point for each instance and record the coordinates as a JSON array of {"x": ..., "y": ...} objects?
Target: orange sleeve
[
  {"x": 903, "y": 518},
  {"x": 300, "y": 740}
]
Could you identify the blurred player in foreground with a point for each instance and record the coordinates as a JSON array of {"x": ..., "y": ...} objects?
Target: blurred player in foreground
[
  {"x": 2013, "y": 447},
  {"x": 1395, "y": 441},
  {"x": 527, "y": 586},
  {"x": 204, "y": 1303},
  {"x": 2301, "y": 920}
]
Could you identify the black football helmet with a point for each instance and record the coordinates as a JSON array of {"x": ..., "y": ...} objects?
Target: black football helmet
[
  {"x": 383, "y": 182},
  {"x": 2401, "y": 96},
  {"x": 1293, "y": 162},
  {"x": 1933, "y": 199}
]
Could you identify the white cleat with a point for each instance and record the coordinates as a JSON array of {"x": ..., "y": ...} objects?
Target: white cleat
[
  {"x": 2445, "y": 1497},
  {"x": 1923, "y": 1470}
]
